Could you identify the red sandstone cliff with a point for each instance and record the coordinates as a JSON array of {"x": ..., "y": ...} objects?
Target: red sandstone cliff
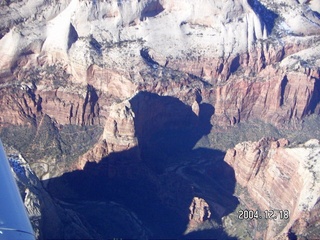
[
  {"x": 90, "y": 63},
  {"x": 257, "y": 67},
  {"x": 278, "y": 177}
]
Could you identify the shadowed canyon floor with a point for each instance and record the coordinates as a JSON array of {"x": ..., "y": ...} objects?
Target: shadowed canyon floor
[{"x": 159, "y": 187}]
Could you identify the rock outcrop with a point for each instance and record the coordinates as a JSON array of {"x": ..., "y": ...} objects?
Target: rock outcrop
[
  {"x": 199, "y": 215},
  {"x": 133, "y": 123},
  {"x": 83, "y": 80},
  {"x": 119, "y": 131},
  {"x": 279, "y": 177},
  {"x": 199, "y": 210}
]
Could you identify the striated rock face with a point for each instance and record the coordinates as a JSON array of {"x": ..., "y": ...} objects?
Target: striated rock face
[
  {"x": 27, "y": 106},
  {"x": 119, "y": 131},
  {"x": 278, "y": 177},
  {"x": 79, "y": 57},
  {"x": 252, "y": 155},
  {"x": 127, "y": 82},
  {"x": 280, "y": 97}
]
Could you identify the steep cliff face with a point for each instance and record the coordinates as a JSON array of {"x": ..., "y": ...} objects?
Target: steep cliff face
[
  {"x": 26, "y": 105},
  {"x": 114, "y": 49},
  {"x": 119, "y": 84},
  {"x": 279, "y": 177},
  {"x": 280, "y": 97}
]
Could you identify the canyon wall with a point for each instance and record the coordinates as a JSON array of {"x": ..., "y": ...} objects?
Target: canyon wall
[
  {"x": 136, "y": 83},
  {"x": 247, "y": 66},
  {"x": 279, "y": 177}
]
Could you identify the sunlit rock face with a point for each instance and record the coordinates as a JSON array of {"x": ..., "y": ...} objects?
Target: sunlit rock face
[
  {"x": 246, "y": 53},
  {"x": 279, "y": 177},
  {"x": 83, "y": 82},
  {"x": 78, "y": 57}
]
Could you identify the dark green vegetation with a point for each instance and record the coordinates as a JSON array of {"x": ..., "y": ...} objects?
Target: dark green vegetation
[
  {"x": 296, "y": 132},
  {"x": 48, "y": 140}
]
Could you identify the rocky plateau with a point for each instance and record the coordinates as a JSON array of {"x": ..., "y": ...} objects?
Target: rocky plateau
[{"x": 127, "y": 109}]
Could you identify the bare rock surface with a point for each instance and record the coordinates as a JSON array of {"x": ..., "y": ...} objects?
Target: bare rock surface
[
  {"x": 199, "y": 215},
  {"x": 247, "y": 58},
  {"x": 119, "y": 84},
  {"x": 279, "y": 177}
]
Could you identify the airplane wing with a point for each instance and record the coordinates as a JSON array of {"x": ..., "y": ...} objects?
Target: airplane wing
[{"x": 14, "y": 221}]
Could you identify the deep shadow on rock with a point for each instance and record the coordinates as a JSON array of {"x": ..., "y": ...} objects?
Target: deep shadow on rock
[
  {"x": 166, "y": 127},
  {"x": 269, "y": 17},
  {"x": 157, "y": 185}
]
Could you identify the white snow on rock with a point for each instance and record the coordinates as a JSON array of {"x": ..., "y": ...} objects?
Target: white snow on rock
[{"x": 170, "y": 27}]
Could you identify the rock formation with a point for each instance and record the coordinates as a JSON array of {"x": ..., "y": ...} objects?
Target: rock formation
[
  {"x": 199, "y": 214},
  {"x": 279, "y": 177},
  {"x": 82, "y": 56},
  {"x": 130, "y": 82}
]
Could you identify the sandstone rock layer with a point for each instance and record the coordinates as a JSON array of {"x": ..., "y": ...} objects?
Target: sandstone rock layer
[{"x": 279, "y": 177}]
